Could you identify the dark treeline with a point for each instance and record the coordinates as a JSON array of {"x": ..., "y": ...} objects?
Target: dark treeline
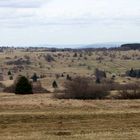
[{"x": 135, "y": 46}]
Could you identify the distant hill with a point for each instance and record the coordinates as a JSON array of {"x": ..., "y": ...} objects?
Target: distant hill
[
  {"x": 82, "y": 46},
  {"x": 103, "y": 45},
  {"x": 135, "y": 46},
  {"x": 99, "y": 46}
]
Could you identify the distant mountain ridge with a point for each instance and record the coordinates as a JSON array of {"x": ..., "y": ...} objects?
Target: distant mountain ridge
[
  {"x": 80, "y": 46},
  {"x": 112, "y": 46}
]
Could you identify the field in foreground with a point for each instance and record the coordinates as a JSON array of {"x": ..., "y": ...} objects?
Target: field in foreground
[{"x": 39, "y": 117}]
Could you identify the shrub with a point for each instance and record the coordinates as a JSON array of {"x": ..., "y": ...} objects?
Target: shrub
[
  {"x": 83, "y": 88},
  {"x": 9, "y": 73},
  {"x": 129, "y": 91},
  {"x": 11, "y": 77},
  {"x": 49, "y": 58},
  {"x": 23, "y": 86},
  {"x": 128, "y": 94},
  {"x": 54, "y": 84},
  {"x": 75, "y": 55},
  {"x": 133, "y": 73},
  {"x": 34, "y": 77},
  {"x": 62, "y": 75},
  {"x": 68, "y": 77},
  {"x": 100, "y": 74},
  {"x": 81, "y": 55},
  {"x": 19, "y": 61}
]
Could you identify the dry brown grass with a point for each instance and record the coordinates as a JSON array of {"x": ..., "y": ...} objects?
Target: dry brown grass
[
  {"x": 117, "y": 66},
  {"x": 41, "y": 117}
]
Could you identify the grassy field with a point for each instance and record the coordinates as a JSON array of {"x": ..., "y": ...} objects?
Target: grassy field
[
  {"x": 112, "y": 62},
  {"x": 40, "y": 117}
]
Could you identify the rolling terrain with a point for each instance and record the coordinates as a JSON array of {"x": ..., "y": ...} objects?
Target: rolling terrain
[{"x": 41, "y": 116}]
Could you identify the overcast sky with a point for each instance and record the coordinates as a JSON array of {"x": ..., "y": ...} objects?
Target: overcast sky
[{"x": 34, "y": 22}]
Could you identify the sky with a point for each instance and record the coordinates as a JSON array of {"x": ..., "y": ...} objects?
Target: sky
[{"x": 41, "y": 22}]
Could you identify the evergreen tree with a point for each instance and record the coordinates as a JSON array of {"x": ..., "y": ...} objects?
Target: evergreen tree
[
  {"x": 132, "y": 73},
  {"x": 138, "y": 74},
  {"x": 23, "y": 86},
  {"x": 75, "y": 54},
  {"x": 9, "y": 72},
  {"x": 54, "y": 84},
  {"x": 68, "y": 77},
  {"x": 81, "y": 55},
  {"x": 34, "y": 77}
]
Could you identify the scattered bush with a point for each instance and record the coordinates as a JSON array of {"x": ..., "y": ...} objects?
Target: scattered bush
[
  {"x": 133, "y": 73},
  {"x": 68, "y": 77},
  {"x": 128, "y": 94},
  {"x": 80, "y": 55},
  {"x": 19, "y": 61},
  {"x": 100, "y": 73},
  {"x": 75, "y": 55},
  {"x": 49, "y": 58},
  {"x": 54, "y": 84},
  {"x": 11, "y": 77},
  {"x": 129, "y": 91},
  {"x": 34, "y": 77},
  {"x": 83, "y": 88},
  {"x": 9, "y": 73}
]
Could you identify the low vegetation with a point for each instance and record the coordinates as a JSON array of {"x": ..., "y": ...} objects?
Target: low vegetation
[
  {"x": 95, "y": 87},
  {"x": 133, "y": 73},
  {"x": 83, "y": 88},
  {"x": 130, "y": 91},
  {"x": 131, "y": 94}
]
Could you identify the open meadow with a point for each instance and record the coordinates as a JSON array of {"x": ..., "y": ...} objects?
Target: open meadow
[
  {"x": 39, "y": 117},
  {"x": 43, "y": 117},
  {"x": 50, "y": 65}
]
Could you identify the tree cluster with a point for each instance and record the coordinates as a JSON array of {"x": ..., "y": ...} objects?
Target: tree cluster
[{"x": 133, "y": 73}]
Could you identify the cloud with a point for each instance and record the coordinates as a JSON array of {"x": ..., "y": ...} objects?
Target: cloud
[
  {"x": 21, "y": 3},
  {"x": 28, "y": 13}
]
